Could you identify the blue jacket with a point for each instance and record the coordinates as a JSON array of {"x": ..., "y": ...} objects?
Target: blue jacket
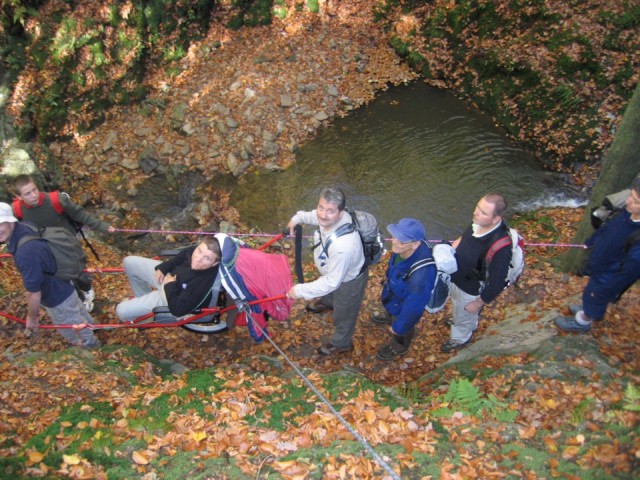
[
  {"x": 37, "y": 266},
  {"x": 610, "y": 262},
  {"x": 406, "y": 299}
]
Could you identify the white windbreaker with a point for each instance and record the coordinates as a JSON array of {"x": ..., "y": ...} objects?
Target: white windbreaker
[{"x": 343, "y": 262}]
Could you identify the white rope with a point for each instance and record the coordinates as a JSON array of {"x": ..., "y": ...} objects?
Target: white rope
[{"x": 243, "y": 307}]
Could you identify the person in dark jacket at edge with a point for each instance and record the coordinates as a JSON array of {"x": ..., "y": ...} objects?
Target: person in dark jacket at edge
[
  {"x": 183, "y": 283},
  {"x": 476, "y": 284},
  {"x": 613, "y": 266},
  {"x": 404, "y": 297}
]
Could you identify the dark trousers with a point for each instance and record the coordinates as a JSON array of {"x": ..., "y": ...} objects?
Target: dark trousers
[{"x": 346, "y": 302}]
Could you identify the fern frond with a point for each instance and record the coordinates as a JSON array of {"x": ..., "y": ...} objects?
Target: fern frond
[{"x": 632, "y": 398}]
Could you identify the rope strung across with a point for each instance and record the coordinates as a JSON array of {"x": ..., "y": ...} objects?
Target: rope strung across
[
  {"x": 193, "y": 232},
  {"x": 208, "y": 311}
]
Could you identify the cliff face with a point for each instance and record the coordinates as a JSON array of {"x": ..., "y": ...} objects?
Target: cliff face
[{"x": 556, "y": 74}]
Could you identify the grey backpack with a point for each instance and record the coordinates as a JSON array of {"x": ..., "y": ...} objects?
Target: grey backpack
[
  {"x": 370, "y": 235},
  {"x": 372, "y": 241}
]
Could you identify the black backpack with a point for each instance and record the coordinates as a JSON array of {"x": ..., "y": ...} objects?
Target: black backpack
[
  {"x": 611, "y": 205},
  {"x": 66, "y": 248}
]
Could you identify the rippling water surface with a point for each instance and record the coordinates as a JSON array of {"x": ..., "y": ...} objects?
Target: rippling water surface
[{"x": 415, "y": 151}]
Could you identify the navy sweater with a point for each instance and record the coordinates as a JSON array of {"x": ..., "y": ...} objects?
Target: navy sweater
[
  {"x": 470, "y": 255},
  {"x": 610, "y": 261},
  {"x": 37, "y": 266}
]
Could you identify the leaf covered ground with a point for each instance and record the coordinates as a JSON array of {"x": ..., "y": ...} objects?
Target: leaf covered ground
[{"x": 239, "y": 412}]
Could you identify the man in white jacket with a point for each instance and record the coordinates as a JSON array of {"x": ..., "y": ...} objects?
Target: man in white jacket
[{"x": 338, "y": 255}]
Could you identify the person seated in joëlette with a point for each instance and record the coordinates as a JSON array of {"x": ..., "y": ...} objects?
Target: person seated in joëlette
[{"x": 183, "y": 283}]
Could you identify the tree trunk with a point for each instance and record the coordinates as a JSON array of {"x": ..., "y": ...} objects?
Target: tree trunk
[{"x": 620, "y": 166}]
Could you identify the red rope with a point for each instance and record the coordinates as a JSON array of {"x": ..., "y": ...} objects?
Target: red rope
[
  {"x": 559, "y": 245},
  {"x": 137, "y": 323},
  {"x": 205, "y": 311}
]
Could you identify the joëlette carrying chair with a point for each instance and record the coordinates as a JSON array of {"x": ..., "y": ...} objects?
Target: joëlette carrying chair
[
  {"x": 248, "y": 275},
  {"x": 257, "y": 282}
]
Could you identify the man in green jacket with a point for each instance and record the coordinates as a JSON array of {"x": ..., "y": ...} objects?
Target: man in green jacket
[{"x": 55, "y": 209}]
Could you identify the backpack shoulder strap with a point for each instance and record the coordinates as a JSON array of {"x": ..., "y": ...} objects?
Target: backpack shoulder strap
[
  {"x": 425, "y": 262},
  {"x": 342, "y": 230},
  {"x": 17, "y": 208},
  {"x": 631, "y": 241},
  {"x": 354, "y": 217},
  {"x": 55, "y": 202},
  {"x": 25, "y": 239},
  {"x": 498, "y": 245},
  {"x": 36, "y": 235}
]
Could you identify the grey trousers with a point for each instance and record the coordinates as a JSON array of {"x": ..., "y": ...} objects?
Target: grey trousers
[
  {"x": 147, "y": 291},
  {"x": 72, "y": 312},
  {"x": 346, "y": 302},
  {"x": 464, "y": 323}
]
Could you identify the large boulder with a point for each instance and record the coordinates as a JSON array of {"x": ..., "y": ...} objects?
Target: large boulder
[{"x": 14, "y": 161}]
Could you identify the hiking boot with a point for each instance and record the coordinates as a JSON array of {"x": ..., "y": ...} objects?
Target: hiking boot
[
  {"x": 381, "y": 318},
  {"x": 88, "y": 305},
  {"x": 92, "y": 346},
  {"x": 451, "y": 345},
  {"x": 398, "y": 346},
  {"x": 317, "y": 307},
  {"x": 569, "y": 324},
  {"x": 575, "y": 308},
  {"x": 89, "y": 295},
  {"x": 391, "y": 351},
  {"x": 331, "y": 349}
]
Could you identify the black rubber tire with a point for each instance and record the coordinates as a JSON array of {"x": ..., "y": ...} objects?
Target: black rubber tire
[{"x": 206, "y": 328}]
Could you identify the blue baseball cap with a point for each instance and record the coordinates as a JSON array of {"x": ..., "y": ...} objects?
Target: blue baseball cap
[{"x": 407, "y": 230}]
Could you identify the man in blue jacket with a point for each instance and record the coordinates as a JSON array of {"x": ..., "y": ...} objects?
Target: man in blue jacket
[
  {"x": 404, "y": 296},
  {"x": 614, "y": 265},
  {"x": 37, "y": 266}
]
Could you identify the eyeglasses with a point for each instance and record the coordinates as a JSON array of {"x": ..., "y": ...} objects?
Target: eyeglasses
[{"x": 395, "y": 240}]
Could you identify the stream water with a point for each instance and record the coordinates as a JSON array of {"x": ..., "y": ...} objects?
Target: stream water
[{"x": 415, "y": 151}]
